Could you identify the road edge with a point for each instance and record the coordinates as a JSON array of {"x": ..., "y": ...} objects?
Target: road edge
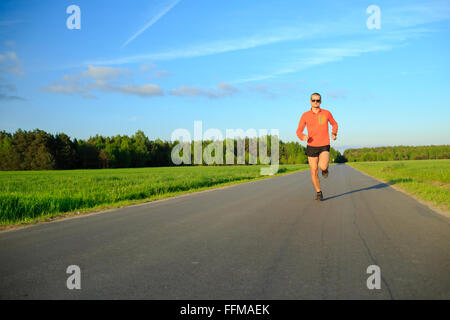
[{"x": 428, "y": 204}]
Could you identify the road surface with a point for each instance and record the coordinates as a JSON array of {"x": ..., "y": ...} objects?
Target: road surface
[{"x": 265, "y": 239}]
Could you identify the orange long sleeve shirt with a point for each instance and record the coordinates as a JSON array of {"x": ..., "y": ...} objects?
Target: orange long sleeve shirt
[{"x": 317, "y": 125}]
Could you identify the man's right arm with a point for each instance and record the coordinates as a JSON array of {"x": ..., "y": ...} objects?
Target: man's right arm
[{"x": 301, "y": 127}]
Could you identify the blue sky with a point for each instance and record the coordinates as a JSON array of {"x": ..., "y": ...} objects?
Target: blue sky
[{"x": 160, "y": 65}]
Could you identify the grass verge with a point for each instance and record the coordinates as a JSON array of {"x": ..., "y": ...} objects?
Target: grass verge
[{"x": 426, "y": 180}]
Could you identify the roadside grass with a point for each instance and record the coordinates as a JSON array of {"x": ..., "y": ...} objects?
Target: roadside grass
[
  {"x": 428, "y": 180},
  {"x": 28, "y": 197}
]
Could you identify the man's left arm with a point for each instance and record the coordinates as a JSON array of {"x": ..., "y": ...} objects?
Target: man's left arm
[{"x": 334, "y": 125}]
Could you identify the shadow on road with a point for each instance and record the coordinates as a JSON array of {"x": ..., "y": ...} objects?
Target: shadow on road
[{"x": 377, "y": 186}]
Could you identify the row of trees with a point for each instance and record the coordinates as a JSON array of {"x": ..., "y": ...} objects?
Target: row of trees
[
  {"x": 39, "y": 150},
  {"x": 398, "y": 153}
]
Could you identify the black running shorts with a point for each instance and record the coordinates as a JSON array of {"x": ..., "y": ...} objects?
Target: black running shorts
[{"x": 315, "y": 151}]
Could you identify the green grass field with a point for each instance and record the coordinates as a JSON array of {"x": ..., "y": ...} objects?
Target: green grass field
[
  {"x": 428, "y": 180},
  {"x": 26, "y": 196}
]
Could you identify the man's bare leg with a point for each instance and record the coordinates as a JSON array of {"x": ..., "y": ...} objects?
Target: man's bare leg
[
  {"x": 313, "y": 165},
  {"x": 324, "y": 158}
]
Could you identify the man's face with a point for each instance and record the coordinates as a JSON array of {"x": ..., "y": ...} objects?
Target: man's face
[{"x": 315, "y": 101}]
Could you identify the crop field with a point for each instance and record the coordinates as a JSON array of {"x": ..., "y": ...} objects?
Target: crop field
[{"x": 29, "y": 195}]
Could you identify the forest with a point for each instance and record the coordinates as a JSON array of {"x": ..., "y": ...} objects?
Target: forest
[
  {"x": 39, "y": 150},
  {"x": 398, "y": 153}
]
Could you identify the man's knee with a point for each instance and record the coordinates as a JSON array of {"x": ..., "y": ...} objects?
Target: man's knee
[
  {"x": 323, "y": 166},
  {"x": 314, "y": 171}
]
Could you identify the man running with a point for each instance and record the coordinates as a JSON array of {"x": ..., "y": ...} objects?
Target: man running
[{"x": 318, "y": 145}]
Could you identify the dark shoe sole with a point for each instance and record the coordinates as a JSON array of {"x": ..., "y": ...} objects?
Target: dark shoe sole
[{"x": 325, "y": 174}]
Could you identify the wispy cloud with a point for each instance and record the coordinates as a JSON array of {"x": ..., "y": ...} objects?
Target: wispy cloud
[
  {"x": 218, "y": 46},
  {"x": 4, "y": 96},
  {"x": 10, "y": 22},
  {"x": 398, "y": 24},
  {"x": 307, "y": 58},
  {"x": 332, "y": 47},
  {"x": 337, "y": 94},
  {"x": 223, "y": 90},
  {"x": 415, "y": 14},
  {"x": 152, "y": 21},
  {"x": 10, "y": 63},
  {"x": 392, "y": 18},
  {"x": 154, "y": 72},
  {"x": 9, "y": 43},
  {"x": 7, "y": 91},
  {"x": 273, "y": 90},
  {"x": 368, "y": 96},
  {"x": 68, "y": 87}
]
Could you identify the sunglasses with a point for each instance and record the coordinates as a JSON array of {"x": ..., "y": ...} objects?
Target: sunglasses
[{"x": 315, "y": 100}]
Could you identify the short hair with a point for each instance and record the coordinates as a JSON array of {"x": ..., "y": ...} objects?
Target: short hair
[{"x": 316, "y": 94}]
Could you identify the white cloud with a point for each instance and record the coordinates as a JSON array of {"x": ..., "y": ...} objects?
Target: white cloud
[
  {"x": 70, "y": 88},
  {"x": 10, "y": 63},
  {"x": 337, "y": 94},
  {"x": 228, "y": 88},
  {"x": 98, "y": 78},
  {"x": 147, "y": 66},
  {"x": 159, "y": 74},
  {"x": 144, "y": 90},
  {"x": 151, "y": 68},
  {"x": 185, "y": 91},
  {"x": 102, "y": 73},
  {"x": 223, "y": 90},
  {"x": 64, "y": 88}
]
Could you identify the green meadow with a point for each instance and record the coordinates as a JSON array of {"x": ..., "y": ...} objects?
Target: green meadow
[
  {"x": 428, "y": 180},
  {"x": 27, "y": 196}
]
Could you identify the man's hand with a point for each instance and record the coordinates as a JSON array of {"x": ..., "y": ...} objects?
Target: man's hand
[
  {"x": 333, "y": 136},
  {"x": 305, "y": 137}
]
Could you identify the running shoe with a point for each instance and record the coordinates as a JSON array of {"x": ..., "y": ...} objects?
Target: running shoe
[{"x": 319, "y": 196}]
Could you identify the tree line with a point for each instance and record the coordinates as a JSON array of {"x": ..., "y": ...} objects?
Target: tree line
[
  {"x": 39, "y": 150},
  {"x": 398, "y": 153}
]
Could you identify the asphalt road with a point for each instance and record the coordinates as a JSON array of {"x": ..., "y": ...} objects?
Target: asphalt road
[{"x": 265, "y": 239}]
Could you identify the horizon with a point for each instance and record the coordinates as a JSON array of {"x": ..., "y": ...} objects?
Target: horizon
[
  {"x": 147, "y": 67},
  {"x": 341, "y": 149}
]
